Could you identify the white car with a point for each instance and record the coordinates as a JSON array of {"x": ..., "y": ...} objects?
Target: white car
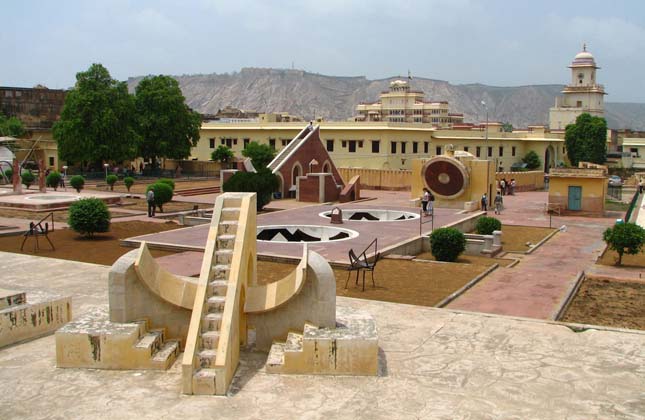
[{"x": 615, "y": 181}]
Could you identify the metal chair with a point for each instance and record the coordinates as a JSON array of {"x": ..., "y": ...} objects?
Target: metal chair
[{"x": 361, "y": 262}]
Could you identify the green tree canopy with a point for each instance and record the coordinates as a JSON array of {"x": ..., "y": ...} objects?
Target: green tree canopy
[
  {"x": 97, "y": 121},
  {"x": 625, "y": 238},
  {"x": 168, "y": 127},
  {"x": 260, "y": 154},
  {"x": 532, "y": 160},
  {"x": 586, "y": 140},
  {"x": 222, "y": 154},
  {"x": 11, "y": 126}
]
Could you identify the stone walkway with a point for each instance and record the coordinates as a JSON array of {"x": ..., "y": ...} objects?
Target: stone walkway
[
  {"x": 537, "y": 286},
  {"x": 434, "y": 364}
]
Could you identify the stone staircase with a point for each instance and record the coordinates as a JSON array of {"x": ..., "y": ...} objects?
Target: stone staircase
[
  {"x": 204, "y": 368},
  {"x": 93, "y": 342},
  {"x": 274, "y": 165},
  {"x": 349, "y": 349},
  {"x": 198, "y": 191}
]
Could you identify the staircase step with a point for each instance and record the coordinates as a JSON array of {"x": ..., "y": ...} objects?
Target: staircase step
[
  {"x": 225, "y": 241},
  {"x": 223, "y": 256},
  {"x": 12, "y": 298},
  {"x": 207, "y": 358},
  {"x": 220, "y": 271},
  {"x": 230, "y": 213},
  {"x": 210, "y": 340},
  {"x": 216, "y": 303},
  {"x": 232, "y": 202},
  {"x": 151, "y": 341},
  {"x": 218, "y": 287},
  {"x": 169, "y": 349},
  {"x": 211, "y": 321},
  {"x": 293, "y": 343},
  {"x": 227, "y": 227},
  {"x": 204, "y": 382},
  {"x": 276, "y": 355}
]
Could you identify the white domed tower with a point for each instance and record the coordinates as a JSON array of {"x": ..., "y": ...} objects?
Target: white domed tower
[{"x": 582, "y": 95}]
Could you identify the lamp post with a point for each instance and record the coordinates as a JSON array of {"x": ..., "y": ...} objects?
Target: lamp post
[
  {"x": 489, "y": 185},
  {"x": 65, "y": 176},
  {"x": 106, "y": 166},
  {"x": 486, "y": 129}
]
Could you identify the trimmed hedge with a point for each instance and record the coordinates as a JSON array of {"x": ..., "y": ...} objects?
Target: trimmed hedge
[
  {"x": 263, "y": 183},
  {"x": 447, "y": 244},
  {"x": 167, "y": 181},
  {"x": 163, "y": 193},
  {"x": 77, "y": 182},
  {"x": 486, "y": 225},
  {"x": 129, "y": 182},
  {"x": 53, "y": 179},
  {"x": 27, "y": 178},
  {"x": 111, "y": 180},
  {"x": 88, "y": 216}
]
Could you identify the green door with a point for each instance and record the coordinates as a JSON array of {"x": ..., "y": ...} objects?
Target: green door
[{"x": 575, "y": 198}]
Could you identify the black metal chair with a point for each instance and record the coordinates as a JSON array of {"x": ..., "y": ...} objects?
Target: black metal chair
[{"x": 360, "y": 263}]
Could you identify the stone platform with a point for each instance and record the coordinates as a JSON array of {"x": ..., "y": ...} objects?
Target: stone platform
[{"x": 433, "y": 363}]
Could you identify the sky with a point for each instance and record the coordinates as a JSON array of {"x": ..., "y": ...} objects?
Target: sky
[{"x": 494, "y": 42}]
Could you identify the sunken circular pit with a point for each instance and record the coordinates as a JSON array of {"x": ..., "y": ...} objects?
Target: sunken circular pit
[
  {"x": 303, "y": 233},
  {"x": 373, "y": 215}
]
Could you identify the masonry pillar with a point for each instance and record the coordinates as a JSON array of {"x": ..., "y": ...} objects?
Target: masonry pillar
[
  {"x": 17, "y": 185},
  {"x": 41, "y": 176}
]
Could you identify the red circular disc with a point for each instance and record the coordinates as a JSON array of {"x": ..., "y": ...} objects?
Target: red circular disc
[{"x": 445, "y": 176}]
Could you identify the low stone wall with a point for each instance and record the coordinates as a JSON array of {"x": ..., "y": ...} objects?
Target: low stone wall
[
  {"x": 524, "y": 181},
  {"x": 379, "y": 179}
]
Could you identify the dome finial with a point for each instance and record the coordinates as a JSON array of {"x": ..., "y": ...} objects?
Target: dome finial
[{"x": 584, "y": 46}]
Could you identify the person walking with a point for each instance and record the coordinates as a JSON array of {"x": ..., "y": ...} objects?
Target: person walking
[
  {"x": 484, "y": 202},
  {"x": 499, "y": 203},
  {"x": 150, "y": 198}
]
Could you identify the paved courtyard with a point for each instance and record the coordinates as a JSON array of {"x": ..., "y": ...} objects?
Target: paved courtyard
[{"x": 435, "y": 363}]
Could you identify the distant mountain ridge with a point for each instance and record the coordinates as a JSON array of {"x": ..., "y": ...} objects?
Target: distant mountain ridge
[{"x": 335, "y": 97}]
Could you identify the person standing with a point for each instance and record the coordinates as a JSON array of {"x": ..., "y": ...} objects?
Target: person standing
[
  {"x": 150, "y": 198},
  {"x": 499, "y": 203},
  {"x": 502, "y": 186},
  {"x": 425, "y": 199},
  {"x": 512, "y": 186},
  {"x": 484, "y": 202}
]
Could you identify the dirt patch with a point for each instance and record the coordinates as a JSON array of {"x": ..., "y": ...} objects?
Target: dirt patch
[
  {"x": 400, "y": 281},
  {"x": 471, "y": 259},
  {"x": 610, "y": 257},
  {"x": 174, "y": 206},
  {"x": 515, "y": 238},
  {"x": 102, "y": 249},
  {"x": 610, "y": 303}
]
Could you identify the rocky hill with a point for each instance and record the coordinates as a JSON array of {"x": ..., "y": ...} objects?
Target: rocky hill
[{"x": 334, "y": 98}]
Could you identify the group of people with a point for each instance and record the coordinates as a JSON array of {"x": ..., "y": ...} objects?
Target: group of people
[
  {"x": 498, "y": 202},
  {"x": 506, "y": 187},
  {"x": 427, "y": 202}
]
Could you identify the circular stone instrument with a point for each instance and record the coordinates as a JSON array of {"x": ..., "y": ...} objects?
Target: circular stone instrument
[{"x": 445, "y": 176}]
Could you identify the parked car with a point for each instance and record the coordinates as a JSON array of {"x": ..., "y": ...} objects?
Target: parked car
[{"x": 615, "y": 181}]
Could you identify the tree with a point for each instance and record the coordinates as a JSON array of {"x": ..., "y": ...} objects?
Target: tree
[
  {"x": 625, "y": 238},
  {"x": 88, "y": 216},
  {"x": 97, "y": 121},
  {"x": 507, "y": 127},
  {"x": 262, "y": 182},
  {"x": 77, "y": 182},
  {"x": 111, "y": 180},
  {"x": 260, "y": 154},
  {"x": 129, "y": 182},
  {"x": 532, "y": 160},
  {"x": 27, "y": 178},
  {"x": 447, "y": 244},
  {"x": 11, "y": 126},
  {"x": 53, "y": 179},
  {"x": 222, "y": 154},
  {"x": 586, "y": 140},
  {"x": 168, "y": 127},
  {"x": 163, "y": 193}
]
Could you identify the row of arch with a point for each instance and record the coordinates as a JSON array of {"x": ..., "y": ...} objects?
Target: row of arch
[{"x": 296, "y": 171}]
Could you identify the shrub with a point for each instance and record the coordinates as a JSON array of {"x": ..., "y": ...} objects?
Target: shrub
[
  {"x": 53, "y": 179},
  {"x": 111, "y": 180},
  {"x": 77, "y": 182},
  {"x": 167, "y": 181},
  {"x": 9, "y": 174},
  {"x": 263, "y": 183},
  {"x": 222, "y": 154},
  {"x": 486, "y": 225},
  {"x": 129, "y": 182},
  {"x": 163, "y": 193},
  {"x": 625, "y": 238},
  {"x": 27, "y": 178},
  {"x": 88, "y": 216},
  {"x": 447, "y": 244},
  {"x": 532, "y": 160}
]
